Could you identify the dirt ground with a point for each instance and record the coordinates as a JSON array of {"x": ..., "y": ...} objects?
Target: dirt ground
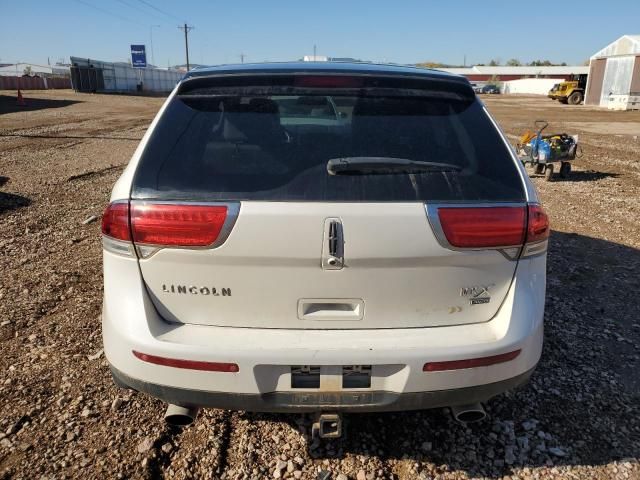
[{"x": 62, "y": 417}]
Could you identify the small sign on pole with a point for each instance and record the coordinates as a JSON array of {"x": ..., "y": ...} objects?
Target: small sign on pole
[{"x": 138, "y": 56}]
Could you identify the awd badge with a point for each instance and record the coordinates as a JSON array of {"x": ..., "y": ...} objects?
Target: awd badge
[{"x": 477, "y": 294}]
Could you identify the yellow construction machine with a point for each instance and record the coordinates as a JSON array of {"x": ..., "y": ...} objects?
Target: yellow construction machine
[{"x": 570, "y": 91}]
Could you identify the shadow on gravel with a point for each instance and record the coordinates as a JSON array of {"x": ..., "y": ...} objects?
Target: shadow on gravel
[
  {"x": 581, "y": 407},
  {"x": 585, "y": 176},
  {"x": 579, "y": 176},
  {"x": 73, "y": 137},
  {"x": 10, "y": 201},
  {"x": 9, "y": 103}
]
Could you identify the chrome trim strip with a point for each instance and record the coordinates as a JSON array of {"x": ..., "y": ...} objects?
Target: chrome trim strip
[
  {"x": 145, "y": 251},
  {"x": 535, "y": 249},
  {"x": 119, "y": 247}
]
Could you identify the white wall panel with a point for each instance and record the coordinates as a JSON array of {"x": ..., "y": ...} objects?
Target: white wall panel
[{"x": 617, "y": 78}]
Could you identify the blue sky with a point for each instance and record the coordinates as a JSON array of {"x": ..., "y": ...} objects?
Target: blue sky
[{"x": 402, "y": 31}]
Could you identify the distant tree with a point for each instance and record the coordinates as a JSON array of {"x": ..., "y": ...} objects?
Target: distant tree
[
  {"x": 514, "y": 62},
  {"x": 494, "y": 62},
  {"x": 27, "y": 71},
  {"x": 542, "y": 63},
  {"x": 494, "y": 80}
]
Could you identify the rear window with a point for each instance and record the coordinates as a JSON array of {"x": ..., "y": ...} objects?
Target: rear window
[{"x": 273, "y": 141}]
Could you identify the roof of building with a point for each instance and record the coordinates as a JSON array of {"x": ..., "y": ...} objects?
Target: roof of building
[
  {"x": 518, "y": 70},
  {"x": 625, "y": 45},
  {"x": 333, "y": 67},
  {"x": 19, "y": 68}
]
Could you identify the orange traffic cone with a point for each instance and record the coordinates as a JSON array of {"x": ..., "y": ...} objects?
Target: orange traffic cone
[{"x": 21, "y": 101}]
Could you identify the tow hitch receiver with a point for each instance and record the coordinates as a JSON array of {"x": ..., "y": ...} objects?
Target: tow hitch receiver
[{"x": 327, "y": 425}]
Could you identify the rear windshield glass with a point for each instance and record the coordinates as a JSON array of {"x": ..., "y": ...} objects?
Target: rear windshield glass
[{"x": 276, "y": 144}]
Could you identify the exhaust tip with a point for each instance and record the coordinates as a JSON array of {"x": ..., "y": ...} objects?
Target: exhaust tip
[
  {"x": 471, "y": 413},
  {"x": 179, "y": 416}
]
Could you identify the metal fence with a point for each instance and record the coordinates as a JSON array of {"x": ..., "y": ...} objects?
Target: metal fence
[
  {"x": 121, "y": 77},
  {"x": 33, "y": 83},
  {"x": 86, "y": 79}
]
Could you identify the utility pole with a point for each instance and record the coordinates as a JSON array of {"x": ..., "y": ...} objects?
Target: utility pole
[
  {"x": 186, "y": 30},
  {"x": 242, "y": 58},
  {"x": 314, "y": 53}
]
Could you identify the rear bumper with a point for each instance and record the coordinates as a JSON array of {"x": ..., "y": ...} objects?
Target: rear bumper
[
  {"x": 291, "y": 402},
  {"x": 264, "y": 356}
]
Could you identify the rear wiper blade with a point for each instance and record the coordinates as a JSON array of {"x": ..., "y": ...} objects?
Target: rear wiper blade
[{"x": 385, "y": 165}]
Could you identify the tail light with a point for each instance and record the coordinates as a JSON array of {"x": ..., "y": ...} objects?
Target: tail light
[
  {"x": 115, "y": 221},
  {"x": 537, "y": 225},
  {"x": 485, "y": 227},
  {"x": 505, "y": 228},
  {"x": 177, "y": 225},
  {"x": 166, "y": 225}
]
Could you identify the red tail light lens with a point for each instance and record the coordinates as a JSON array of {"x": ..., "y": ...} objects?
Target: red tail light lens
[
  {"x": 470, "y": 362},
  {"x": 328, "y": 81},
  {"x": 483, "y": 227},
  {"x": 177, "y": 225},
  {"x": 115, "y": 221},
  {"x": 538, "y": 227}
]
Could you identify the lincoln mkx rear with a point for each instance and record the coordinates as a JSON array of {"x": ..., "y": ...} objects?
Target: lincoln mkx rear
[{"x": 323, "y": 237}]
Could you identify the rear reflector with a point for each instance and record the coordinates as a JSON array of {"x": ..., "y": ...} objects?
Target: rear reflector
[
  {"x": 470, "y": 363},
  {"x": 115, "y": 221},
  {"x": 483, "y": 227},
  {"x": 188, "y": 364},
  {"x": 328, "y": 81},
  {"x": 538, "y": 224},
  {"x": 177, "y": 224}
]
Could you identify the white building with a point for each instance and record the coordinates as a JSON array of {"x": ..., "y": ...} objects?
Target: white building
[
  {"x": 19, "y": 69},
  {"x": 503, "y": 73},
  {"x": 614, "y": 75},
  {"x": 315, "y": 58},
  {"x": 535, "y": 86}
]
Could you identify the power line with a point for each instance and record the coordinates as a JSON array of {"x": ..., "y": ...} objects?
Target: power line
[
  {"x": 146, "y": 12},
  {"x": 159, "y": 10},
  {"x": 107, "y": 12}
]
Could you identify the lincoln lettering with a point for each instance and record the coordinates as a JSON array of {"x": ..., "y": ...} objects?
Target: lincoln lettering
[{"x": 195, "y": 290}]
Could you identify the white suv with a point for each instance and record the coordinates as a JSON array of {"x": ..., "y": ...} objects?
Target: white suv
[{"x": 324, "y": 237}]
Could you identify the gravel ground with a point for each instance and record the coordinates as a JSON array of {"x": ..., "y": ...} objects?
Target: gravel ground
[{"x": 61, "y": 416}]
